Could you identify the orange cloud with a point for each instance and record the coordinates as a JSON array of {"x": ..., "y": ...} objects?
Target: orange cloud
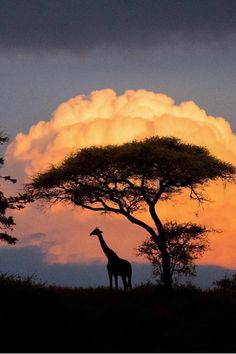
[{"x": 106, "y": 118}]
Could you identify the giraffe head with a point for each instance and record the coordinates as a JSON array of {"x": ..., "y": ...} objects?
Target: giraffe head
[{"x": 96, "y": 232}]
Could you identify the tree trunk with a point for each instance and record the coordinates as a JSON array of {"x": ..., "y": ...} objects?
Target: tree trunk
[
  {"x": 166, "y": 276},
  {"x": 161, "y": 244}
]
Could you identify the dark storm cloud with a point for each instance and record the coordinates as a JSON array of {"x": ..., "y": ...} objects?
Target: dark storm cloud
[{"x": 83, "y": 24}]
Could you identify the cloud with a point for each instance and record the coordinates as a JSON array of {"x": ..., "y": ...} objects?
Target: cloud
[
  {"x": 103, "y": 118},
  {"x": 82, "y": 25},
  {"x": 106, "y": 118}
]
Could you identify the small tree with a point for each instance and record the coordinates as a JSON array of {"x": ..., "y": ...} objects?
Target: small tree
[
  {"x": 185, "y": 243},
  {"x": 18, "y": 202},
  {"x": 226, "y": 282},
  {"x": 133, "y": 177}
]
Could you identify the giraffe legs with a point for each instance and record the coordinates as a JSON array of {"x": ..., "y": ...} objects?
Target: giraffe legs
[
  {"x": 123, "y": 277},
  {"x": 111, "y": 283},
  {"x": 110, "y": 280},
  {"x": 127, "y": 282}
]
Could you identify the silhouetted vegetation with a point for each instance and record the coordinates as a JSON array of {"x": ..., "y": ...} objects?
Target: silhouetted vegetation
[
  {"x": 37, "y": 317},
  {"x": 9, "y": 203},
  {"x": 134, "y": 177},
  {"x": 226, "y": 282},
  {"x": 185, "y": 243}
]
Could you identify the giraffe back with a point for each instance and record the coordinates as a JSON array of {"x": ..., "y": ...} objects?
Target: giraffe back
[{"x": 119, "y": 266}]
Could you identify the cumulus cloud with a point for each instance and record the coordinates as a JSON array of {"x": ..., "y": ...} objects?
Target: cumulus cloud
[
  {"x": 103, "y": 118},
  {"x": 81, "y": 25}
]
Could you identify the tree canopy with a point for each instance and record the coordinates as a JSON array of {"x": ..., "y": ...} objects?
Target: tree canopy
[
  {"x": 8, "y": 203},
  {"x": 136, "y": 172},
  {"x": 186, "y": 242},
  {"x": 132, "y": 177}
]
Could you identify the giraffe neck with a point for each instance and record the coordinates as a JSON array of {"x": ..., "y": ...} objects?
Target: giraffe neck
[{"x": 108, "y": 252}]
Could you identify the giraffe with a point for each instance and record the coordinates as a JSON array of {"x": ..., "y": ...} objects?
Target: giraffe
[{"x": 116, "y": 266}]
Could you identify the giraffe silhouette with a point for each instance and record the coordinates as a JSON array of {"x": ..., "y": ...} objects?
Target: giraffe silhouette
[{"x": 116, "y": 266}]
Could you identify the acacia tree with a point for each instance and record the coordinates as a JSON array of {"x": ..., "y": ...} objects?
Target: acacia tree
[
  {"x": 133, "y": 177},
  {"x": 17, "y": 202},
  {"x": 185, "y": 242}
]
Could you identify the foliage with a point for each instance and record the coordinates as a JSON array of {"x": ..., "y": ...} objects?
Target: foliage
[
  {"x": 134, "y": 173},
  {"x": 226, "y": 282},
  {"x": 18, "y": 282},
  {"x": 17, "y": 202},
  {"x": 133, "y": 177},
  {"x": 185, "y": 243}
]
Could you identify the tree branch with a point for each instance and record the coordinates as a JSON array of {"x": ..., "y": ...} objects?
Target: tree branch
[
  {"x": 162, "y": 189},
  {"x": 156, "y": 220},
  {"x": 101, "y": 209},
  {"x": 197, "y": 196},
  {"x": 142, "y": 224}
]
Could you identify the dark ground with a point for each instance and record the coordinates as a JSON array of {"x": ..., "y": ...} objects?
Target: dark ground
[{"x": 39, "y": 318}]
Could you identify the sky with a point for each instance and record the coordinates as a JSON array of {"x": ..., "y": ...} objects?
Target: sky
[{"x": 107, "y": 71}]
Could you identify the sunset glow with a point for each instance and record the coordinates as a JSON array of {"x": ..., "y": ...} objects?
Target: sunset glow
[
  {"x": 118, "y": 165},
  {"x": 106, "y": 118}
]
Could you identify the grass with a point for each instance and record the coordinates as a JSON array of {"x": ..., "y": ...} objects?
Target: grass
[{"x": 36, "y": 317}]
